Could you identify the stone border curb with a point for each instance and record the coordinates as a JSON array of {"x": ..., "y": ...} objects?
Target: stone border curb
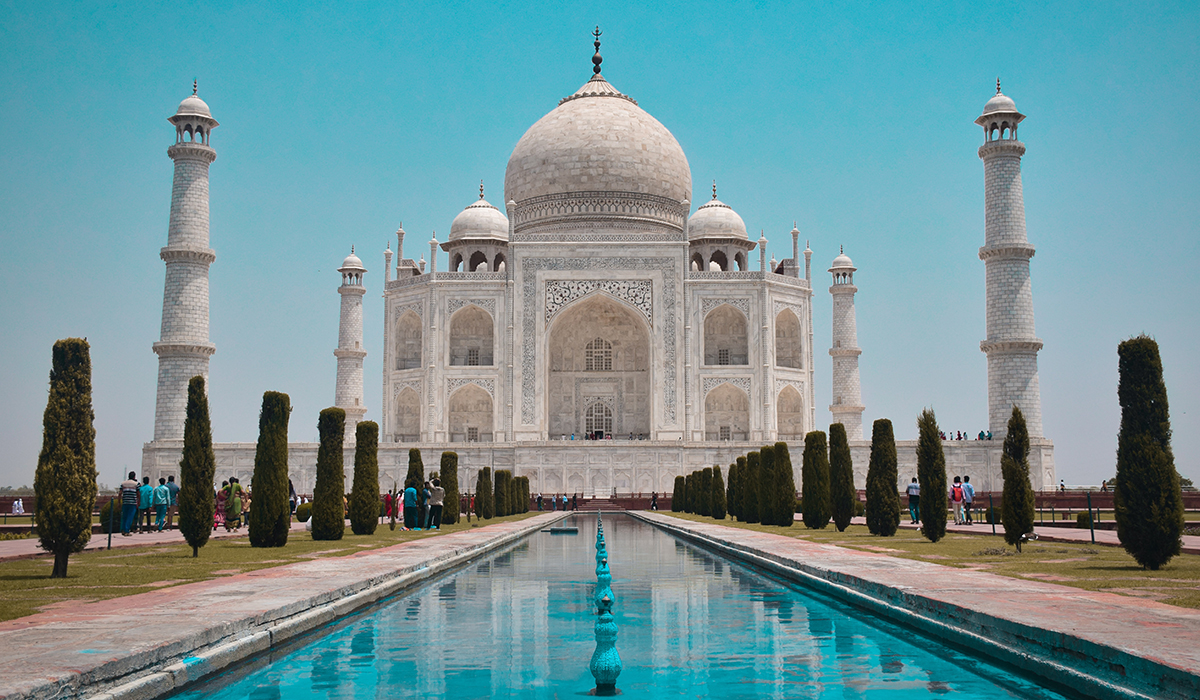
[
  {"x": 949, "y": 623},
  {"x": 149, "y": 675}
]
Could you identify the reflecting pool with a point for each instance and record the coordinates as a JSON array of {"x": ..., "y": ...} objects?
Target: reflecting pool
[{"x": 519, "y": 624}]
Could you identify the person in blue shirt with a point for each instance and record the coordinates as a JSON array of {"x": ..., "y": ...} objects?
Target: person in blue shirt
[
  {"x": 174, "y": 507},
  {"x": 145, "y": 495},
  {"x": 968, "y": 496},
  {"x": 160, "y": 498},
  {"x": 410, "y": 506}
]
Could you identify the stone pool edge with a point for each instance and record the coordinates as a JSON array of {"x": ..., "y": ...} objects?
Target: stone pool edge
[
  {"x": 147, "y": 675},
  {"x": 1067, "y": 660}
]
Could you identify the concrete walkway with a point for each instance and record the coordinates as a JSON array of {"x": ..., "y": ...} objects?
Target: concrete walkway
[
  {"x": 1191, "y": 543},
  {"x": 28, "y": 548},
  {"x": 180, "y": 634},
  {"x": 1100, "y": 644}
]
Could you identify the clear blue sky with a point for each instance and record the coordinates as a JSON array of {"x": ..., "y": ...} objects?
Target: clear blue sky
[{"x": 339, "y": 122}]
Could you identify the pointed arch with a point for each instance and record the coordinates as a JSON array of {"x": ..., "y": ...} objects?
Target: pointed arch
[
  {"x": 408, "y": 416},
  {"x": 789, "y": 342},
  {"x": 478, "y": 260},
  {"x": 725, "y": 337},
  {"x": 726, "y": 413},
  {"x": 789, "y": 415},
  {"x": 408, "y": 341},
  {"x": 470, "y": 410},
  {"x": 719, "y": 259},
  {"x": 472, "y": 338}
]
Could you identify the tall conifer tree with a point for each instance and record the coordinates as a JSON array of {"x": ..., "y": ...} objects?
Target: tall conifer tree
[
  {"x": 842, "y": 494},
  {"x": 329, "y": 513},
  {"x": 717, "y": 500},
  {"x": 767, "y": 481},
  {"x": 65, "y": 480},
  {"x": 740, "y": 493},
  {"x": 750, "y": 503},
  {"x": 731, "y": 490},
  {"x": 364, "y": 493},
  {"x": 1017, "y": 504},
  {"x": 815, "y": 495},
  {"x": 416, "y": 471},
  {"x": 484, "y": 496},
  {"x": 931, "y": 472},
  {"x": 678, "y": 495},
  {"x": 1147, "y": 497},
  {"x": 883, "y": 496},
  {"x": 271, "y": 516},
  {"x": 196, "y": 470},
  {"x": 785, "y": 499},
  {"x": 448, "y": 473}
]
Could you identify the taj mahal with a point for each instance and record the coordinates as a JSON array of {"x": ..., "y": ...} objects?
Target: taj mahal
[{"x": 595, "y": 329}]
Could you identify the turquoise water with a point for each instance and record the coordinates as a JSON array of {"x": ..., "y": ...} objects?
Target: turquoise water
[{"x": 519, "y": 624}]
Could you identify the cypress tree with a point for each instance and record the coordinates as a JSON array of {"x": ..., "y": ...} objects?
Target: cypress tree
[
  {"x": 749, "y": 500},
  {"x": 717, "y": 500},
  {"x": 500, "y": 496},
  {"x": 65, "y": 480},
  {"x": 766, "y": 486},
  {"x": 1017, "y": 505},
  {"x": 448, "y": 472},
  {"x": 364, "y": 493},
  {"x": 484, "y": 498},
  {"x": 1147, "y": 497},
  {"x": 706, "y": 492},
  {"x": 785, "y": 508},
  {"x": 689, "y": 493},
  {"x": 815, "y": 494},
  {"x": 271, "y": 516},
  {"x": 524, "y": 481},
  {"x": 731, "y": 490},
  {"x": 841, "y": 477},
  {"x": 678, "y": 495},
  {"x": 695, "y": 492},
  {"x": 883, "y": 497},
  {"x": 416, "y": 473},
  {"x": 328, "y": 513},
  {"x": 931, "y": 472},
  {"x": 196, "y": 470},
  {"x": 739, "y": 497}
]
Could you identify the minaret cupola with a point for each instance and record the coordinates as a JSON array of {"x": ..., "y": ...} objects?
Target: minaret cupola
[
  {"x": 1000, "y": 117},
  {"x": 352, "y": 270},
  {"x": 193, "y": 121}
]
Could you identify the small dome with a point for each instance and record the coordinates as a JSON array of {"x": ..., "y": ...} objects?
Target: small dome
[
  {"x": 841, "y": 261},
  {"x": 1000, "y": 103},
  {"x": 193, "y": 106},
  {"x": 352, "y": 263},
  {"x": 715, "y": 219},
  {"x": 480, "y": 220}
]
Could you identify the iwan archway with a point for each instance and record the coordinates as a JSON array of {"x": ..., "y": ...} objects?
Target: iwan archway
[{"x": 598, "y": 376}]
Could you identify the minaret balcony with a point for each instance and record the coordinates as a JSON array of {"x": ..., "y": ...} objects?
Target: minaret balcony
[
  {"x": 1011, "y": 347},
  {"x": 192, "y": 151},
  {"x": 1008, "y": 251},
  {"x": 192, "y": 255},
  {"x": 1002, "y": 147},
  {"x": 349, "y": 352}
]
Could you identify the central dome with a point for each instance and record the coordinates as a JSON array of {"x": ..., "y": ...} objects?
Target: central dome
[{"x": 598, "y": 154}]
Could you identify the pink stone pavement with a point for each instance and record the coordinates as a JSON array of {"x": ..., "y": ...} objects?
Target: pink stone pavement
[
  {"x": 1101, "y": 644},
  {"x": 28, "y": 548},
  {"x": 148, "y": 644}
]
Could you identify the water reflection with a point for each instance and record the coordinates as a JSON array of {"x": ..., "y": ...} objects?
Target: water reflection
[{"x": 692, "y": 625}]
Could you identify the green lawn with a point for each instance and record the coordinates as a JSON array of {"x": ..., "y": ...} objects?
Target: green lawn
[
  {"x": 26, "y": 586},
  {"x": 1091, "y": 567}
]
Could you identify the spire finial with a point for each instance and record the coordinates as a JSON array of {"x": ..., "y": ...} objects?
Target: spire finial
[
  {"x": 195, "y": 85},
  {"x": 997, "y": 85},
  {"x": 481, "y": 189},
  {"x": 714, "y": 189},
  {"x": 842, "y": 249},
  {"x": 597, "y": 60},
  {"x": 352, "y": 249}
]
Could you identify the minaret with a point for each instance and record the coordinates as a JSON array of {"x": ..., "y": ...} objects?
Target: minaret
[
  {"x": 183, "y": 348},
  {"x": 350, "y": 353},
  {"x": 1011, "y": 345},
  {"x": 387, "y": 264},
  {"x": 847, "y": 396}
]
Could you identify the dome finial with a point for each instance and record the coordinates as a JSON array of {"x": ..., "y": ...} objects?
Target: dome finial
[
  {"x": 195, "y": 85},
  {"x": 997, "y": 85},
  {"x": 481, "y": 189},
  {"x": 842, "y": 249},
  {"x": 714, "y": 189},
  {"x": 352, "y": 249},
  {"x": 597, "y": 60}
]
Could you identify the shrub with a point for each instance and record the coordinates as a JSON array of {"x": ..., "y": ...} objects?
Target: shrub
[
  {"x": 931, "y": 472},
  {"x": 196, "y": 470},
  {"x": 502, "y": 497},
  {"x": 678, "y": 495},
  {"x": 1148, "y": 497},
  {"x": 65, "y": 480},
  {"x": 717, "y": 500},
  {"x": 416, "y": 474},
  {"x": 107, "y": 515},
  {"x": 329, "y": 512},
  {"x": 1017, "y": 502},
  {"x": 448, "y": 473},
  {"x": 766, "y": 485},
  {"x": 842, "y": 495},
  {"x": 304, "y": 512},
  {"x": 749, "y": 501},
  {"x": 991, "y": 516},
  {"x": 1083, "y": 521},
  {"x": 364, "y": 493},
  {"x": 785, "y": 488},
  {"x": 484, "y": 497},
  {"x": 814, "y": 487},
  {"x": 883, "y": 497},
  {"x": 860, "y": 508}
]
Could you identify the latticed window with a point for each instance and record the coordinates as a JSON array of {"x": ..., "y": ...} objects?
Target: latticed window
[
  {"x": 598, "y": 356},
  {"x": 598, "y": 419},
  {"x": 472, "y": 434},
  {"x": 473, "y": 357},
  {"x": 723, "y": 356},
  {"x": 725, "y": 432}
]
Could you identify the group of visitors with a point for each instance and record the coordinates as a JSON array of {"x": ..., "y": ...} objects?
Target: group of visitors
[
  {"x": 960, "y": 435},
  {"x": 558, "y": 501},
  {"x": 962, "y": 494},
  {"x": 18, "y": 506},
  {"x": 232, "y": 502},
  {"x": 149, "y": 508},
  {"x": 420, "y": 509}
]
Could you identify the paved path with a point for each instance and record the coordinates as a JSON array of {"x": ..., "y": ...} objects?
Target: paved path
[
  {"x": 28, "y": 548},
  {"x": 1135, "y": 648},
  {"x": 188, "y": 631},
  {"x": 1191, "y": 543}
]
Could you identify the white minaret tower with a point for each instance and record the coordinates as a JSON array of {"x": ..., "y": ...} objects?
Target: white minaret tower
[
  {"x": 1011, "y": 346},
  {"x": 183, "y": 348},
  {"x": 350, "y": 353},
  {"x": 847, "y": 405}
]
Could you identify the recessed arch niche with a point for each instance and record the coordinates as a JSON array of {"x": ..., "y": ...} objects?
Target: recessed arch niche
[
  {"x": 726, "y": 414},
  {"x": 789, "y": 414},
  {"x": 472, "y": 337},
  {"x": 788, "y": 341},
  {"x": 725, "y": 337},
  {"x": 408, "y": 416},
  {"x": 470, "y": 415},
  {"x": 408, "y": 341}
]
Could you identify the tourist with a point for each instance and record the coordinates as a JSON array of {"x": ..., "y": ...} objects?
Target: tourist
[
  {"x": 1062, "y": 486},
  {"x": 956, "y": 498},
  {"x": 914, "y": 501},
  {"x": 160, "y": 498},
  {"x": 425, "y": 494},
  {"x": 553, "y": 502},
  {"x": 989, "y": 435},
  {"x": 539, "y": 502},
  {"x": 410, "y": 505},
  {"x": 654, "y": 500},
  {"x": 387, "y": 504},
  {"x": 575, "y": 502},
  {"x": 145, "y": 496},
  {"x": 291, "y": 497},
  {"x": 171, "y": 509},
  {"x": 437, "y": 496},
  {"x": 1103, "y": 485},
  {"x": 470, "y": 506},
  {"x": 129, "y": 503},
  {"x": 234, "y": 496},
  {"x": 968, "y": 497},
  {"x": 222, "y": 496}
]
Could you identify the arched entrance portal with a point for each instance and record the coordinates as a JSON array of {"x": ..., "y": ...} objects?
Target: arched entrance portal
[{"x": 598, "y": 370}]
